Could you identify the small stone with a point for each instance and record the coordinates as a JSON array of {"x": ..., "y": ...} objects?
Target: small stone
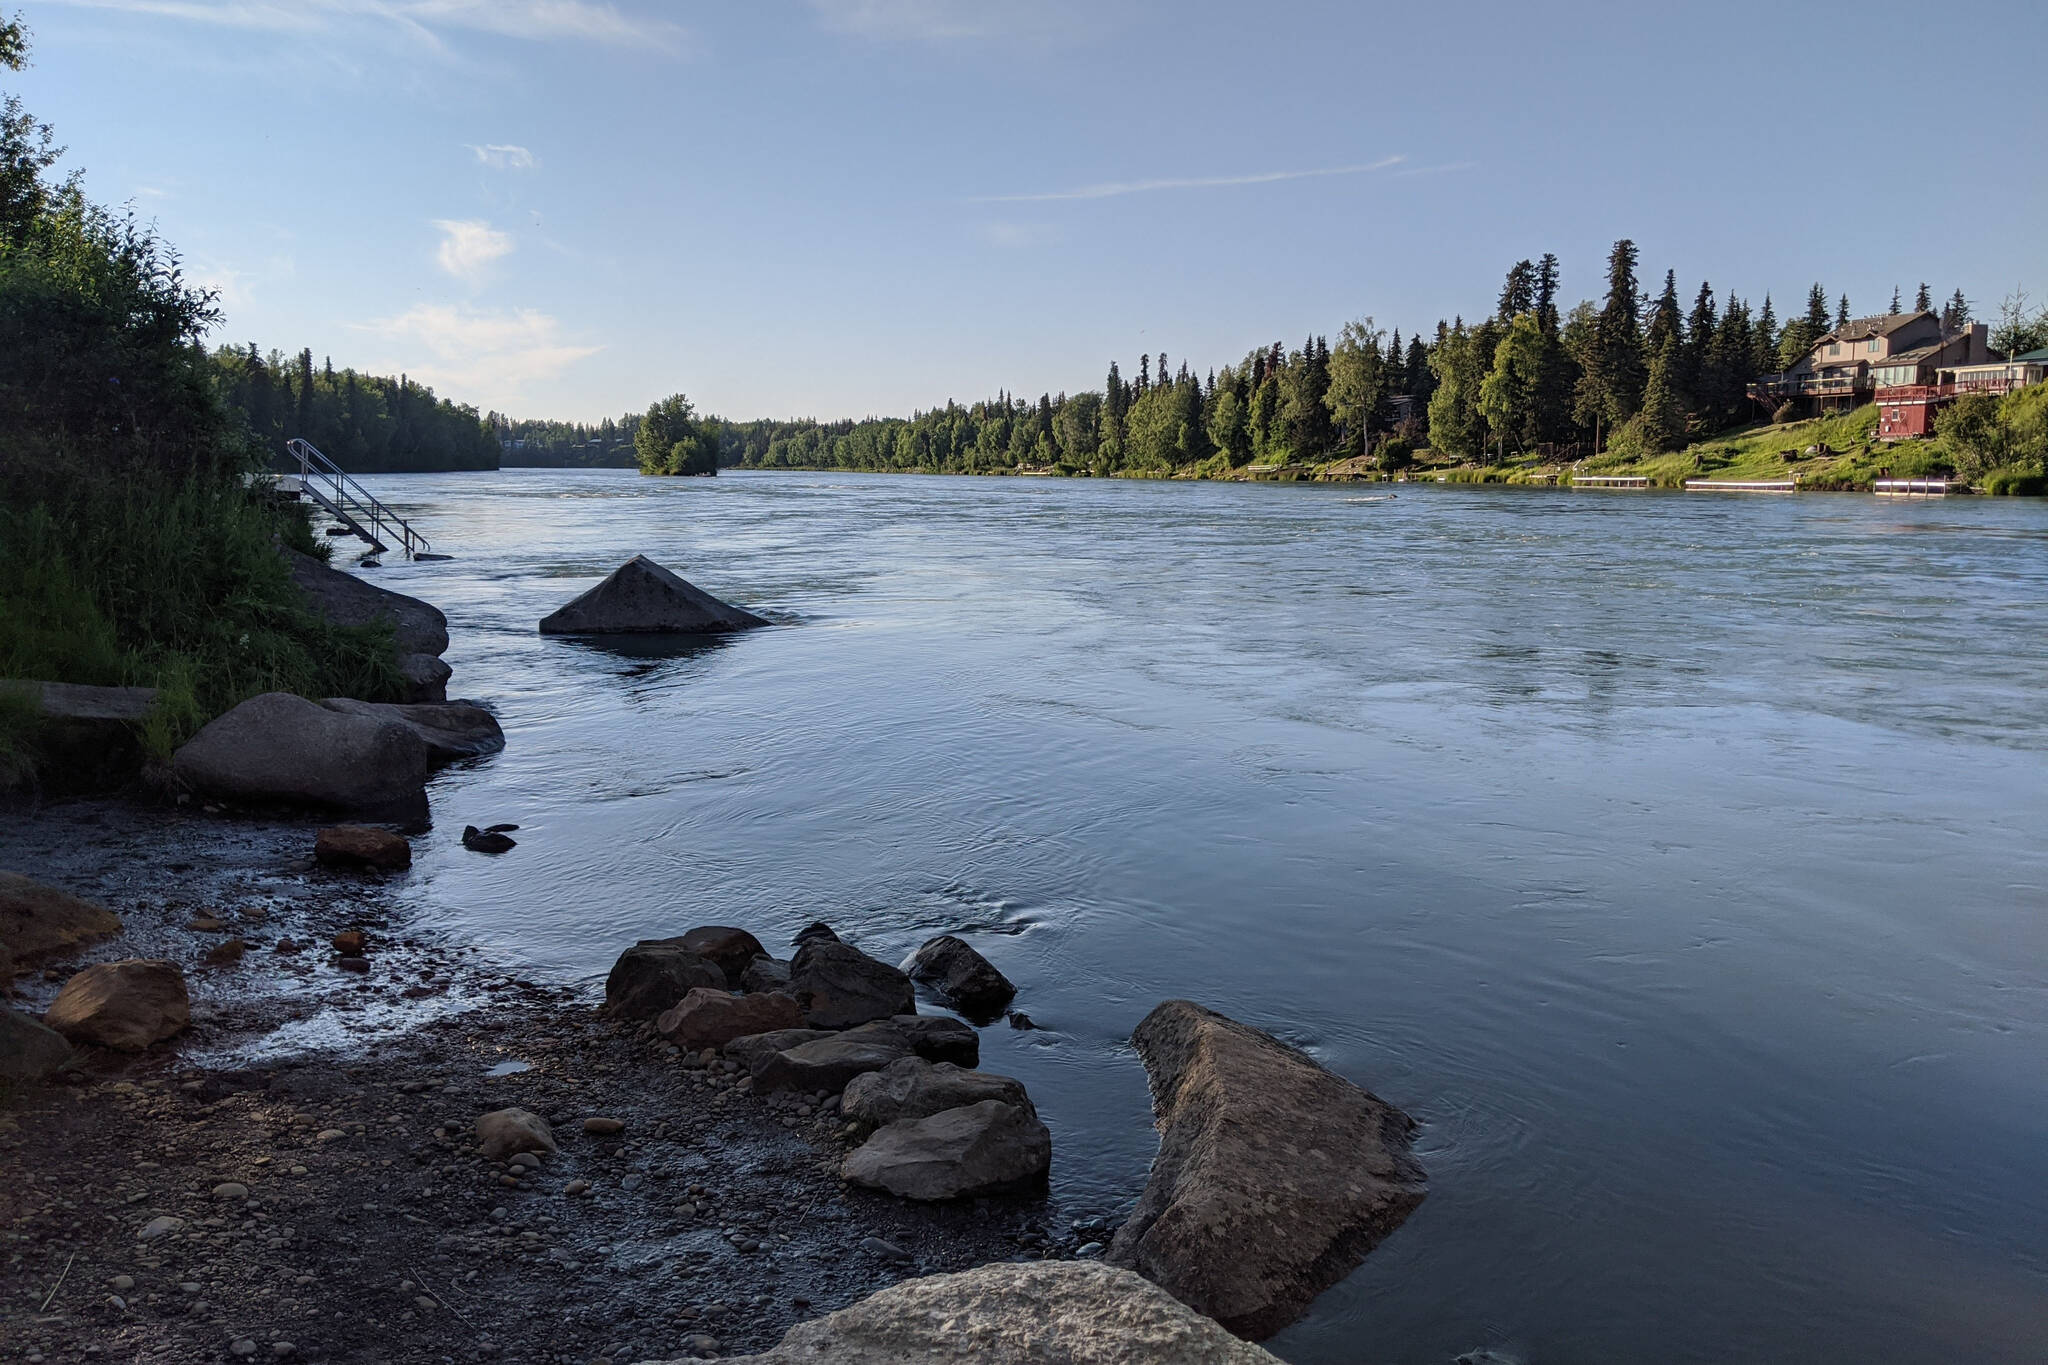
[
  {"x": 359, "y": 965},
  {"x": 425, "y": 1304},
  {"x": 603, "y": 1127},
  {"x": 888, "y": 1251},
  {"x": 282, "y": 1348},
  {"x": 206, "y": 924},
  {"x": 123, "y": 1283},
  {"x": 329, "y": 1135},
  {"x": 160, "y": 1227},
  {"x": 243, "y": 1346},
  {"x": 231, "y": 1189},
  {"x": 351, "y": 943},
  {"x": 576, "y": 1187}
]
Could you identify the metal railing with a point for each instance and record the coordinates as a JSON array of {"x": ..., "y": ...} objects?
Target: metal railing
[{"x": 349, "y": 503}]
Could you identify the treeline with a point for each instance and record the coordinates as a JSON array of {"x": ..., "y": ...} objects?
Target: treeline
[
  {"x": 535, "y": 443},
  {"x": 365, "y": 423},
  {"x": 1633, "y": 371}
]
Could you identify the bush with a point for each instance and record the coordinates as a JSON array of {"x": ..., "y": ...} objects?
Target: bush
[
  {"x": 1396, "y": 454},
  {"x": 1784, "y": 412},
  {"x": 2016, "y": 483}
]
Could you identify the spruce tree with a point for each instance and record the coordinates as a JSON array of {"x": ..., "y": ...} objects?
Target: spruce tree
[
  {"x": 1923, "y": 301},
  {"x": 1764, "y": 358},
  {"x": 1518, "y": 293},
  {"x": 1615, "y": 365},
  {"x": 1955, "y": 314},
  {"x": 1546, "y": 294},
  {"x": 1664, "y": 320},
  {"x": 1663, "y": 419},
  {"x": 1842, "y": 312},
  {"x": 1895, "y": 300}
]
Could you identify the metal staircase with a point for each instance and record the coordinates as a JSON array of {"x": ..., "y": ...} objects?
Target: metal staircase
[{"x": 349, "y": 503}]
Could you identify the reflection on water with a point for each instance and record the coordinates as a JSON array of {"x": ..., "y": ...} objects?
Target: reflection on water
[{"x": 1677, "y": 862}]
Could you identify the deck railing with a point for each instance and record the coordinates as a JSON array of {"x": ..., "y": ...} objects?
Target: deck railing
[{"x": 328, "y": 484}]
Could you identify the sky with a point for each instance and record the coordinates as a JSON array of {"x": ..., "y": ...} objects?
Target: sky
[{"x": 838, "y": 208}]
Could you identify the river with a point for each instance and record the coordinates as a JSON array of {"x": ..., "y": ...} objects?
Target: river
[{"x": 1678, "y": 861}]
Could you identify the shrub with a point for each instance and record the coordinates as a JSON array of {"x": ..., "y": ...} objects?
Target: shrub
[{"x": 1784, "y": 412}]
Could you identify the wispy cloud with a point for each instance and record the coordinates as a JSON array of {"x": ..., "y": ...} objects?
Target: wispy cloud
[
  {"x": 485, "y": 356},
  {"x": 1112, "y": 189},
  {"x": 422, "y": 20},
  {"x": 503, "y": 156},
  {"x": 937, "y": 21},
  {"x": 468, "y": 246}
]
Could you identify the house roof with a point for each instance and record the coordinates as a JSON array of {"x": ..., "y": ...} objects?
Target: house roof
[
  {"x": 2040, "y": 355},
  {"x": 1858, "y": 329},
  {"x": 1918, "y": 353}
]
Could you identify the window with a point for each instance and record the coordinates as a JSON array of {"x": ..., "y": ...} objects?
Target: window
[
  {"x": 1873, "y": 345},
  {"x": 1834, "y": 348}
]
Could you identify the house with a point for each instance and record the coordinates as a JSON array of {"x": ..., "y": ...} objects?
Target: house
[
  {"x": 1906, "y": 408},
  {"x": 1843, "y": 368}
]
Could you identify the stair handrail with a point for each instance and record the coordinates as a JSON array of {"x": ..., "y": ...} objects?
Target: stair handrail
[{"x": 313, "y": 464}]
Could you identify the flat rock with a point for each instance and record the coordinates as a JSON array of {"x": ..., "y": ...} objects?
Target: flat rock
[
  {"x": 641, "y": 597},
  {"x": 653, "y": 975},
  {"x": 748, "y": 1051},
  {"x": 504, "y": 1133},
  {"x": 967, "y": 980},
  {"x": 967, "y": 1152},
  {"x": 1274, "y": 1177},
  {"x": 362, "y": 846},
  {"x": 913, "y": 1088},
  {"x": 451, "y": 730},
  {"x": 487, "y": 840},
  {"x": 840, "y": 986},
  {"x": 284, "y": 749},
  {"x": 38, "y": 921},
  {"x": 28, "y": 1050},
  {"x": 828, "y": 1063},
  {"x": 126, "y": 1005},
  {"x": 347, "y": 600},
  {"x": 87, "y": 739},
  {"x": 1031, "y": 1313},
  {"x": 732, "y": 949},
  {"x": 711, "y": 1017}
]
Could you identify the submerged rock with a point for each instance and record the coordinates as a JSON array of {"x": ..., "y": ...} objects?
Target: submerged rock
[
  {"x": 451, "y": 730},
  {"x": 285, "y": 749},
  {"x": 1274, "y": 1177},
  {"x": 653, "y": 975},
  {"x": 913, "y": 1088},
  {"x": 38, "y": 921},
  {"x": 356, "y": 846},
  {"x": 1033, "y": 1313},
  {"x": 29, "y": 1051},
  {"x": 487, "y": 840},
  {"x": 711, "y": 1017},
  {"x": 641, "y": 597},
  {"x": 990, "y": 1147},
  {"x": 125, "y": 1005},
  {"x": 953, "y": 968},
  {"x": 840, "y": 986}
]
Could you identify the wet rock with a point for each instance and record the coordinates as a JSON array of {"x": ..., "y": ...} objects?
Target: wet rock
[
  {"x": 451, "y": 730},
  {"x": 1036, "y": 1313},
  {"x": 362, "y": 846},
  {"x": 1020, "y": 1020},
  {"x": 732, "y": 949},
  {"x": 709, "y": 1017},
  {"x": 816, "y": 929},
  {"x": 913, "y": 1088},
  {"x": 284, "y": 749},
  {"x": 641, "y": 597},
  {"x": 1274, "y": 1177},
  {"x": 226, "y": 954},
  {"x": 765, "y": 973},
  {"x": 348, "y": 600},
  {"x": 953, "y": 968},
  {"x": 829, "y": 1063},
  {"x": 426, "y": 677},
  {"x": 504, "y": 1132},
  {"x": 840, "y": 986},
  {"x": 487, "y": 840},
  {"x": 125, "y": 1005},
  {"x": 937, "y": 1038},
  {"x": 751, "y": 1049},
  {"x": 28, "y": 1050},
  {"x": 358, "y": 965},
  {"x": 978, "y": 1149},
  {"x": 652, "y": 975},
  {"x": 38, "y": 921},
  {"x": 351, "y": 943}
]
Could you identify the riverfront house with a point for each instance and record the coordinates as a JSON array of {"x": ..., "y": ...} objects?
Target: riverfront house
[{"x": 1848, "y": 366}]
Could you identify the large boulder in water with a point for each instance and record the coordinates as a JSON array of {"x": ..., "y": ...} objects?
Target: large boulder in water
[
  {"x": 452, "y": 730},
  {"x": 346, "y": 600},
  {"x": 953, "y": 968},
  {"x": 1011, "y": 1313},
  {"x": 38, "y": 921},
  {"x": 285, "y": 749},
  {"x": 840, "y": 986},
  {"x": 1274, "y": 1177},
  {"x": 641, "y": 597}
]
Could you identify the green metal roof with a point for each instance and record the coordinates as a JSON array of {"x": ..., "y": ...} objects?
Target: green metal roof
[{"x": 2041, "y": 354}]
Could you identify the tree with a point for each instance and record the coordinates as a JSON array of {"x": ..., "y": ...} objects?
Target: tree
[
  {"x": 1508, "y": 393},
  {"x": 1518, "y": 294},
  {"x": 1546, "y": 294},
  {"x": 1700, "y": 327},
  {"x": 1842, "y": 312},
  {"x": 2019, "y": 329},
  {"x": 1358, "y": 387},
  {"x": 670, "y": 441},
  {"x": 1923, "y": 302},
  {"x": 1230, "y": 422},
  {"x": 1801, "y": 334},
  {"x": 1456, "y": 426},
  {"x": 27, "y": 148},
  {"x": 1766, "y": 339},
  {"x": 1895, "y": 301},
  {"x": 1955, "y": 314},
  {"x": 1614, "y": 364},
  {"x": 1309, "y": 431},
  {"x": 1665, "y": 324},
  {"x": 1663, "y": 420}
]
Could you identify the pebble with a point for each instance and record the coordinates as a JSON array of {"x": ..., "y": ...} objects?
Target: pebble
[
  {"x": 329, "y": 1135},
  {"x": 631, "y": 1182},
  {"x": 576, "y": 1187},
  {"x": 353, "y": 964},
  {"x": 243, "y": 1346},
  {"x": 1088, "y": 1249},
  {"x": 603, "y": 1127},
  {"x": 123, "y": 1283},
  {"x": 888, "y": 1251},
  {"x": 282, "y": 1348},
  {"x": 231, "y": 1189},
  {"x": 160, "y": 1227}
]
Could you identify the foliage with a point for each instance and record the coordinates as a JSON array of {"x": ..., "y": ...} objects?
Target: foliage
[
  {"x": 364, "y": 423},
  {"x": 1982, "y": 433},
  {"x": 670, "y": 440}
]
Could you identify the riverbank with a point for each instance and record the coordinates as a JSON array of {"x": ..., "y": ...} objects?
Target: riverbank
[{"x": 310, "y": 1141}]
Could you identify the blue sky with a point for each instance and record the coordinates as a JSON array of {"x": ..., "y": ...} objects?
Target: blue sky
[{"x": 841, "y": 207}]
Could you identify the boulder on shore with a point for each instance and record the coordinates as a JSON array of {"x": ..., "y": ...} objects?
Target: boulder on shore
[
  {"x": 765, "y": 973},
  {"x": 38, "y": 921},
  {"x": 29, "y": 1051},
  {"x": 828, "y": 1063},
  {"x": 913, "y": 1088},
  {"x": 963, "y": 976},
  {"x": 990, "y": 1147},
  {"x": 284, "y": 749},
  {"x": 362, "y": 846},
  {"x": 126, "y": 1005},
  {"x": 653, "y": 975},
  {"x": 641, "y": 597},
  {"x": 426, "y": 677},
  {"x": 1011, "y": 1313},
  {"x": 87, "y": 739},
  {"x": 713, "y": 1017},
  {"x": 451, "y": 730},
  {"x": 934, "y": 1037},
  {"x": 732, "y": 949},
  {"x": 840, "y": 986},
  {"x": 749, "y": 1050},
  {"x": 504, "y": 1133},
  {"x": 1274, "y": 1177},
  {"x": 347, "y": 600}
]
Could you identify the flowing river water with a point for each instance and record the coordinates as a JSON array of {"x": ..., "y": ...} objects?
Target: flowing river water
[{"x": 1680, "y": 862}]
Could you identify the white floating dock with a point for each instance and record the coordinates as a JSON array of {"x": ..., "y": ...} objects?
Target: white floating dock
[
  {"x": 1742, "y": 485},
  {"x": 1918, "y": 488},
  {"x": 1610, "y": 481}
]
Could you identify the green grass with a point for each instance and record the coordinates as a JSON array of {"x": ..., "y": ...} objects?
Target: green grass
[{"x": 1767, "y": 451}]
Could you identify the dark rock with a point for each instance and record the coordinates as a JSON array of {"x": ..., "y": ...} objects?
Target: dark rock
[
  {"x": 710, "y": 1017},
  {"x": 360, "y": 846},
  {"x": 963, "y": 976},
  {"x": 749, "y": 1050},
  {"x": 914, "y": 1088},
  {"x": 840, "y": 986},
  {"x": 505, "y": 1133},
  {"x": 38, "y": 921},
  {"x": 349, "y": 601},
  {"x": 452, "y": 730},
  {"x": 640, "y": 596},
  {"x": 426, "y": 677},
  {"x": 1274, "y": 1177},
  {"x": 359, "y": 965},
  {"x": 487, "y": 841},
  {"x": 765, "y": 974},
  {"x": 888, "y": 1251},
  {"x": 652, "y": 975},
  {"x": 28, "y": 1050},
  {"x": 1020, "y": 1020},
  {"x": 816, "y": 929},
  {"x": 732, "y": 949},
  {"x": 936, "y": 1038},
  {"x": 125, "y": 1005},
  {"x": 968, "y": 1152},
  {"x": 828, "y": 1063},
  {"x": 281, "y": 748},
  {"x": 86, "y": 739}
]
